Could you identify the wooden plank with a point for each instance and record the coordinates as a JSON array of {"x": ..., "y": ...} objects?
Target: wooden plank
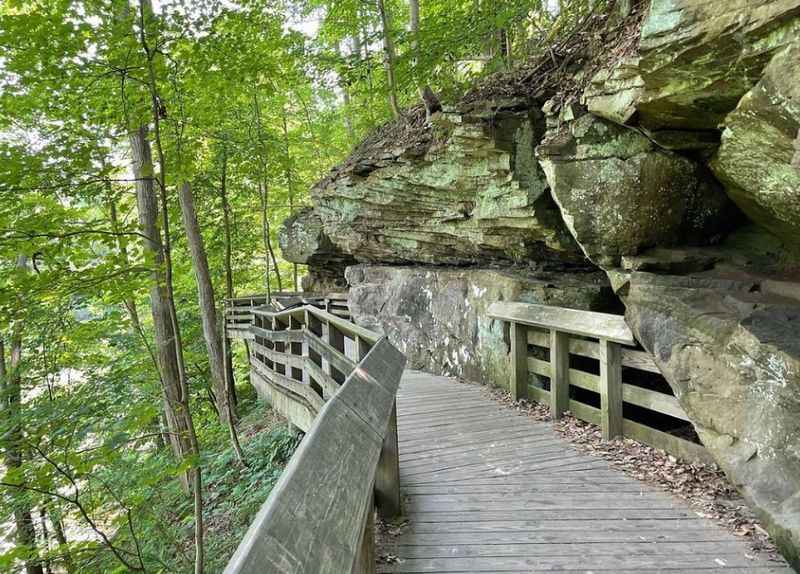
[
  {"x": 674, "y": 445},
  {"x": 304, "y": 392},
  {"x": 339, "y": 361},
  {"x": 631, "y": 358},
  {"x": 329, "y": 386},
  {"x": 610, "y": 389},
  {"x": 387, "y": 475},
  {"x": 587, "y": 323},
  {"x": 559, "y": 373},
  {"x": 577, "y": 378},
  {"x": 283, "y": 336},
  {"x": 653, "y": 400},
  {"x": 519, "y": 362},
  {"x": 365, "y": 560}
]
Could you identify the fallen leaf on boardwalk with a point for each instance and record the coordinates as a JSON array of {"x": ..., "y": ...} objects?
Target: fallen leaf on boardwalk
[{"x": 704, "y": 487}]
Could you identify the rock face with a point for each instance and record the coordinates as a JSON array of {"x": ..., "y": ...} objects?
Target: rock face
[
  {"x": 730, "y": 350},
  {"x": 619, "y": 194},
  {"x": 759, "y": 159},
  {"x": 438, "y": 315},
  {"x": 302, "y": 239},
  {"x": 479, "y": 195},
  {"x": 699, "y": 57}
]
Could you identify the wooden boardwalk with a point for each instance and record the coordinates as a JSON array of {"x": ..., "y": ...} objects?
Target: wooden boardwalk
[{"x": 488, "y": 490}]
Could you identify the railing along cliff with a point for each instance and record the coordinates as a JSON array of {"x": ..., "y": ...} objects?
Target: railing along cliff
[
  {"x": 337, "y": 382},
  {"x": 564, "y": 333}
]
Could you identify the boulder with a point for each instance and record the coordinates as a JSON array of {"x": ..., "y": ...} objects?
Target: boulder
[
  {"x": 302, "y": 239},
  {"x": 476, "y": 196},
  {"x": 618, "y": 193},
  {"x": 758, "y": 160},
  {"x": 699, "y": 57},
  {"x": 696, "y": 59},
  {"x": 614, "y": 92},
  {"x": 728, "y": 345},
  {"x": 438, "y": 315}
]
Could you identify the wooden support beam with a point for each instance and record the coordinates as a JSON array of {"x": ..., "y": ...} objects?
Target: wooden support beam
[
  {"x": 610, "y": 389},
  {"x": 387, "y": 476},
  {"x": 365, "y": 559},
  {"x": 519, "y": 361},
  {"x": 559, "y": 373},
  {"x": 335, "y": 338}
]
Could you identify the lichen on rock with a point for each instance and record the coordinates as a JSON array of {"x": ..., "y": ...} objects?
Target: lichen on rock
[
  {"x": 757, "y": 158},
  {"x": 618, "y": 193}
]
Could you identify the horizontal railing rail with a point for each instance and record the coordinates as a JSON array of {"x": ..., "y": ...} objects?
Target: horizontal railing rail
[
  {"x": 560, "y": 334},
  {"x": 337, "y": 382}
]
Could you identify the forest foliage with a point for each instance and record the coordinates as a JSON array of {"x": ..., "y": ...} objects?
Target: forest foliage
[{"x": 240, "y": 106}]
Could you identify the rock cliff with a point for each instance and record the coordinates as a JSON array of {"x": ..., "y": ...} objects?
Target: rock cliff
[{"x": 657, "y": 159}]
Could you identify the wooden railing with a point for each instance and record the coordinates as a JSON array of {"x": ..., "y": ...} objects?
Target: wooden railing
[
  {"x": 564, "y": 333},
  {"x": 337, "y": 382},
  {"x": 238, "y": 310}
]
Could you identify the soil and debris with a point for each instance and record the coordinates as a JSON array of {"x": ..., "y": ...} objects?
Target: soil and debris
[{"x": 561, "y": 72}]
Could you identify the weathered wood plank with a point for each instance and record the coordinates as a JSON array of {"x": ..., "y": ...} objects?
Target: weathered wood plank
[
  {"x": 519, "y": 364},
  {"x": 387, "y": 475},
  {"x": 559, "y": 373},
  {"x": 610, "y": 389},
  {"x": 498, "y": 501},
  {"x": 630, "y": 357},
  {"x": 586, "y": 323},
  {"x": 337, "y": 359}
]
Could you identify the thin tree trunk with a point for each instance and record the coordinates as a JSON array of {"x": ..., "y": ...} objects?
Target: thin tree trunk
[
  {"x": 208, "y": 313},
  {"x": 269, "y": 253},
  {"x": 11, "y": 393},
  {"x": 45, "y": 539},
  {"x": 63, "y": 547},
  {"x": 389, "y": 57},
  {"x": 205, "y": 295},
  {"x": 146, "y": 16},
  {"x": 290, "y": 186},
  {"x": 226, "y": 229},
  {"x": 162, "y": 322}
]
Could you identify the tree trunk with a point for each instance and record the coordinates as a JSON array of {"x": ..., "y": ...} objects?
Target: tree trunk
[
  {"x": 389, "y": 57},
  {"x": 206, "y": 299},
  {"x": 269, "y": 253},
  {"x": 226, "y": 230},
  {"x": 290, "y": 186},
  {"x": 183, "y": 410},
  {"x": 61, "y": 538},
  {"x": 11, "y": 393},
  {"x": 162, "y": 322},
  {"x": 208, "y": 314}
]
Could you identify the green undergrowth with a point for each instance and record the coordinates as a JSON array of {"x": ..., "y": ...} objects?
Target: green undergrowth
[{"x": 232, "y": 495}]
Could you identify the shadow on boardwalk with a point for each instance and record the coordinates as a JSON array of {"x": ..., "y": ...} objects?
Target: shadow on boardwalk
[{"x": 490, "y": 490}]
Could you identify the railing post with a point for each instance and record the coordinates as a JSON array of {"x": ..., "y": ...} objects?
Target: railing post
[
  {"x": 365, "y": 560},
  {"x": 610, "y": 389},
  {"x": 296, "y": 349},
  {"x": 559, "y": 373},
  {"x": 387, "y": 476},
  {"x": 335, "y": 338},
  {"x": 519, "y": 361}
]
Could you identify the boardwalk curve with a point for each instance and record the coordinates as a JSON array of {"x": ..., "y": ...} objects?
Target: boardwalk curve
[{"x": 490, "y": 490}]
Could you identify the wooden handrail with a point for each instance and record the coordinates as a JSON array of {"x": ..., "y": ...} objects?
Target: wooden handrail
[
  {"x": 319, "y": 516},
  {"x": 565, "y": 332},
  {"x": 573, "y": 321}
]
